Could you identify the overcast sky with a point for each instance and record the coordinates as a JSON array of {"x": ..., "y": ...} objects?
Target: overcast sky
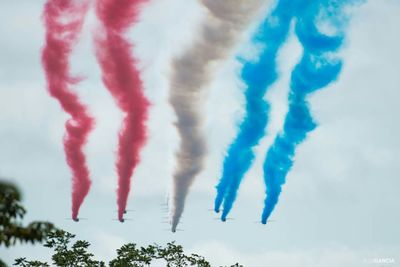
[{"x": 341, "y": 203}]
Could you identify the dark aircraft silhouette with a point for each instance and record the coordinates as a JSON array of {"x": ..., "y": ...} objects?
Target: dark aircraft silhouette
[
  {"x": 224, "y": 219},
  {"x": 126, "y": 211},
  {"x": 267, "y": 222},
  {"x": 258, "y": 222},
  {"x": 76, "y": 219},
  {"x": 174, "y": 231},
  {"x": 122, "y": 220},
  {"x": 214, "y": 210}
]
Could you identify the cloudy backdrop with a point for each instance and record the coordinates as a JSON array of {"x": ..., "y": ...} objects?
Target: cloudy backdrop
[{"x": 340, "y": 206}]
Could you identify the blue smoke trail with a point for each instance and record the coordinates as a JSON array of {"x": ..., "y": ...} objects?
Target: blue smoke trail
[
  {"x": 258, "y": 76},
  {"x": 317, "y": 68}
]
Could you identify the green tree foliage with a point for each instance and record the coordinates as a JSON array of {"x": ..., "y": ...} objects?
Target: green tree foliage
[
  {"x": 129, "y": 255},
  {"x": 67, "y": 253},
  {"x": 11, "y": 215}
]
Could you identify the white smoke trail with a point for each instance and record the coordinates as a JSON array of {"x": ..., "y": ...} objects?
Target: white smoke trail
[{"x": 226, "y": 20}]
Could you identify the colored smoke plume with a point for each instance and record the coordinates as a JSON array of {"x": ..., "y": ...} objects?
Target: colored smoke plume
[
  {"x": 258, "y": 76},
  {"x": 191, "y": 74},
  {"x": 122, "y": 78},
  {"x": 63, "y": 22},
  {"x": 317, "y": 68}
]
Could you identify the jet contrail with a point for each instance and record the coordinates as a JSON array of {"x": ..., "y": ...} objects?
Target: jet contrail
[
  {"x": 191, "y": 74},
  {"x": 121, "y": 77},
  {"x": 317, "y": 68},
  {"x": 258, "y": 76},
  {"x": 63, "y": 21}
]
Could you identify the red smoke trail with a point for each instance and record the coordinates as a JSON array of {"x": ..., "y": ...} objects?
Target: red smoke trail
[
  {"x": 122, "y": 79},
  {"x": 63, "y": 21}
]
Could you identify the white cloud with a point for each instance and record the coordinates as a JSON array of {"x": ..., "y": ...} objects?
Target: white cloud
[
  {"x": 332, "y": 256},
  {"x": 343, "y": 189}
]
